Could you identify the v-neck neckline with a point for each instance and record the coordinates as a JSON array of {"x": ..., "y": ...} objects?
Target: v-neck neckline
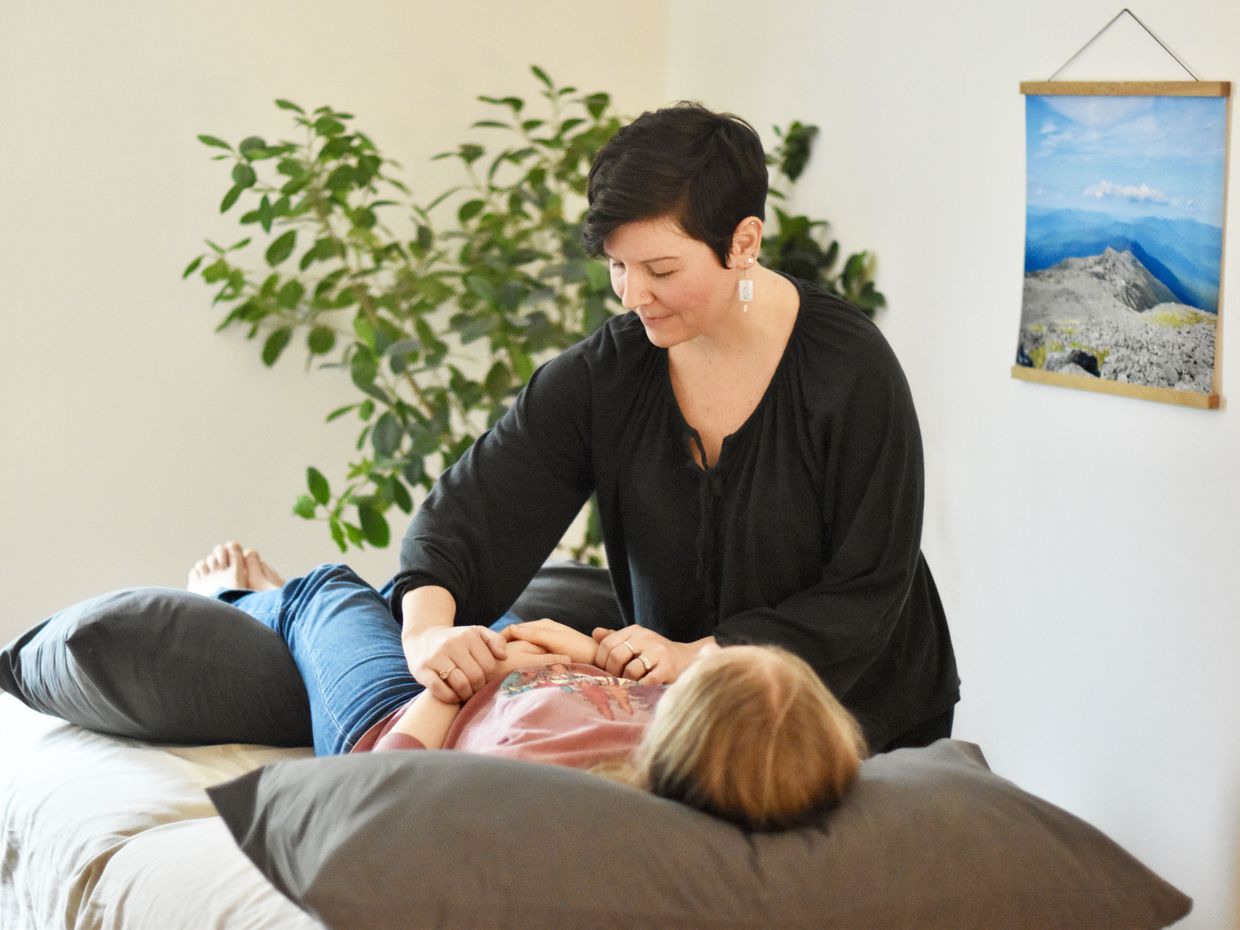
[{"x": 690, "y": 433}]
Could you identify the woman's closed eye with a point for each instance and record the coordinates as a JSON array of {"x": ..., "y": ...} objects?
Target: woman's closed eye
[{"x": 618, "y": 268}]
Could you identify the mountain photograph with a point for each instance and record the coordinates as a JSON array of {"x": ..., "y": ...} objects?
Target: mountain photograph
[{"x": 1123, "y": 242}]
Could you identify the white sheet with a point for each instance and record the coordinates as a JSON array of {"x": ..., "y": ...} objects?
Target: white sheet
[{"x": 101, "y": 831}]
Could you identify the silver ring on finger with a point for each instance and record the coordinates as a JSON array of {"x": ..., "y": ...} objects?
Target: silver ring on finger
[
  {"x": 632, "y": 648},
  {"x": 644, "y": 661}
]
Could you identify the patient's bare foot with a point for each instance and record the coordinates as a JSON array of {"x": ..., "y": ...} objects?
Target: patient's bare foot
[
  {"x": 262, "y": 576},
  {"x": 223, "y": 567}
]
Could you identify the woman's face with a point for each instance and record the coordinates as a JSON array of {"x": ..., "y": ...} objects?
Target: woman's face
[{"x": 672, "y": 281}]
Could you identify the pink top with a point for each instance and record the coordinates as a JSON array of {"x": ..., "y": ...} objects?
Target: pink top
[{"x": 575, "y": 715}]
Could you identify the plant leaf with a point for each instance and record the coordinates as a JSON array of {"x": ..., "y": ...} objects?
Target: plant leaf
[
  {"x": 282, "y": 248},
  {"x": 374, "y": 526},
  {"x": 320, "y": 490},
  {"x": 216, "y": 271},
  {"x": 339, "y": 412},
  {"x": 597, "y": 103},
  {"x": 265, "y": 213},
  {"x": 214, "y": 142},
  {"x": 400, "y": 494},
  {"x": 243, "y": 175},
  {"x": 469, "y": 210},
  {"x": 498, "y": 381},
  {"x": 251, "y": 145},
  {"x": 290, "y": 295},
  {"x": 326, "y": 126},
  {"x": 276, "y": 344},
  {"x": 523, "y": 365},
  {"x": 337, "y": 532},
  {"x": 231, "y": 197},
  {"x": 321, "y": 340},
  {"x": 387, "y": 434},
  {"x": 304, "y": 507}
]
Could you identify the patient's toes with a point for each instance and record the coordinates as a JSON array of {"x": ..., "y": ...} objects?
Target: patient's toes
[
  {"x": 224, "y": 567},
  {"x": 272, "y": 575},
  {"x": 195, "y": 574},
  {"x": 262, "y": 576}
]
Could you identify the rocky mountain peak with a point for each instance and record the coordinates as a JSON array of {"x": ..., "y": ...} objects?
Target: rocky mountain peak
[{"x": 1123, "y": 275}]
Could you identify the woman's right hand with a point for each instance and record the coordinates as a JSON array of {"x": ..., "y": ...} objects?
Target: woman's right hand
[
  {"x": 454, "y": 662},
  {"x": 554, "y": 637}
]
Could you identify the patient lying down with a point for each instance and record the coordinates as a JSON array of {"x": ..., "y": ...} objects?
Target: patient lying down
[{"x": 747, "y": 733}]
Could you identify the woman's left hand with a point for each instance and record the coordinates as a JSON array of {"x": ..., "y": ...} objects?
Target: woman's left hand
[{"x": 643, "y": 655}]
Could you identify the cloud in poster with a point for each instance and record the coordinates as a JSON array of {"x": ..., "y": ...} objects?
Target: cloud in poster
[
  {"x": 1099, "y": 112},
  {"x": 1133, "y": 193},
  {"x": 1097, "y": 127}
]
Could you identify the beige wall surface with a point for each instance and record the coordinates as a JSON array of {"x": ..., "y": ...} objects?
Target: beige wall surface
[
  {"x": 133, "y": 436},
  {"x": 1085, "y": 545}
]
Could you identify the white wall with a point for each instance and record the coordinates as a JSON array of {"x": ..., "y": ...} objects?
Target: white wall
[
  {"x": 1085, "y": 545},
  {"x": 133, "y": 437}
]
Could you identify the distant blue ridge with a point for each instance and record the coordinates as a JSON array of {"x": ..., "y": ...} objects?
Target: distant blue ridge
[{"x": 1183, "y": 254}]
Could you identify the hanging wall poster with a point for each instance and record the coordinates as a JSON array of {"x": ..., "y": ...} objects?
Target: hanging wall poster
[{"x": 1124, "y": 238}]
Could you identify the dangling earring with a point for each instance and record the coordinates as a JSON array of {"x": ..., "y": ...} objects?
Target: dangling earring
[{"x": 746, "y": 289}]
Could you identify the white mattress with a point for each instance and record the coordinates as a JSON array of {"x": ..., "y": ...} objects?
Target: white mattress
[{"x": 103, "y": 832}]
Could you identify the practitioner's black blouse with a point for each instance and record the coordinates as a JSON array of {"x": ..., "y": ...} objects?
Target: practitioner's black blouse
[{"x": 805, "y": 534}]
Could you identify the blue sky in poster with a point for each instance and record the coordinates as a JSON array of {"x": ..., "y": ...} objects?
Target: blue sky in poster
[{"x": 1127, "y": 157}]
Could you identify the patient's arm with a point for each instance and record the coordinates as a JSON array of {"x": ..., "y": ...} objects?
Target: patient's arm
[
  {"x": 554, "y": 636},
  {"x": 428, "y": 719}
]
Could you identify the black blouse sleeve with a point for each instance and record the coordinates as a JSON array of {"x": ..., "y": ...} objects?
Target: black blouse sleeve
[
  {"x": 872, "y": 497},
  {"x": 497, "y": 513}
]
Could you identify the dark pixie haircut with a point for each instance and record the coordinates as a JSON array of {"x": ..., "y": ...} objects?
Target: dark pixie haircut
[{"x": 705, "y": 170}]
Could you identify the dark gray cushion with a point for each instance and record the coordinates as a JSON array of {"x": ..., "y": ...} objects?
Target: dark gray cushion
[
  {"x": 929, "y": 838},
  {"x": 161, "y": 664},
  {"x": 577, "y": 595}
]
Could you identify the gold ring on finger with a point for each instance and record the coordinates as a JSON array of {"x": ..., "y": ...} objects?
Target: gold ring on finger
[{"x": 443, "y": 676}]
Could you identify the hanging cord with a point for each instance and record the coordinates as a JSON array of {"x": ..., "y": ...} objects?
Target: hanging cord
[{"x": 1108, "y": 26}]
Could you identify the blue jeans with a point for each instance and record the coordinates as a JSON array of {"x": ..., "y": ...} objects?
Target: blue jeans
[{"x": 346, "y": 645}]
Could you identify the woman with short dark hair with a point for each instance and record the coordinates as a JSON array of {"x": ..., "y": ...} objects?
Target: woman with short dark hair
[
  {"x": 705, "y": 169},
  {"x": 751, "y": 442}
]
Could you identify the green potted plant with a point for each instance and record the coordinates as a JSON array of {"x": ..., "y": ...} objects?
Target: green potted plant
[{"x": 439, "y": 311}]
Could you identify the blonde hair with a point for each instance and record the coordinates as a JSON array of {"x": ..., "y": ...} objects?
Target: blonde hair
[{"x": 750, "y": 734}]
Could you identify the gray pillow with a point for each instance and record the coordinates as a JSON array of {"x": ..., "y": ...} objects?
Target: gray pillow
[
  {"x": 161, "y": 664},
  {"x": 577, "y": 595},
  {"x": 929, "y": 838}
]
